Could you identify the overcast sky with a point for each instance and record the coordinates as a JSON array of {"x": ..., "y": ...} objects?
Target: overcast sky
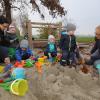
[{"x": 84, "y": 13}]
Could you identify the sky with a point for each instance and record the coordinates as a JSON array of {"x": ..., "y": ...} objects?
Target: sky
[{"x": 84, "y": 13}]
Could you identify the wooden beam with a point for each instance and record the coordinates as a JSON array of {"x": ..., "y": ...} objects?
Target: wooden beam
[
  {"x": 30, "y": 35},
  {"x": 44, "y": 27},
  {"x": 38, "y": 23}
]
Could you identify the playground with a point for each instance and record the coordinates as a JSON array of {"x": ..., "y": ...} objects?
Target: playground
[{"x": 49, "y": 50}]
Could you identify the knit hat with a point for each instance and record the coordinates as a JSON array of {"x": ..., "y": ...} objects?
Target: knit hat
[
  {"x": 24, "y": 44},
  {"x": 51, "y": 38},
  {"x": 71, "y": 27}
]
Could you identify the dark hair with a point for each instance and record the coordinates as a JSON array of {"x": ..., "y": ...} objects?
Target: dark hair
[{"x": 3, "y": 20}]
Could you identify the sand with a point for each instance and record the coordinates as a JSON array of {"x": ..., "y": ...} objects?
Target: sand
[{"x": 57, "y": 83}]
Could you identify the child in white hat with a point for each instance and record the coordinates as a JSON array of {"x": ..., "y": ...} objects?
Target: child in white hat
[{"x": 51, "y": 47}]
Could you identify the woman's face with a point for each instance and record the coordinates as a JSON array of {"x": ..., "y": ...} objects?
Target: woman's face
[{"x": 3, "y": 26}]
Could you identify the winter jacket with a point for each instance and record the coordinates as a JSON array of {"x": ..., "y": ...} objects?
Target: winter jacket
[
  {"x": 68, "y": 43},
  {"x": 8, "y": 40},
  {"x": 1, "y": 37},
  {"x": 96, "y": 46},
  {"x": 20, "y": 53},
  {"x": 51, "y": 47}
]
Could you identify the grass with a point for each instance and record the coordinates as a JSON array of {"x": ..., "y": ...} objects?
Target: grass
[{"x": 85, "y": 39}]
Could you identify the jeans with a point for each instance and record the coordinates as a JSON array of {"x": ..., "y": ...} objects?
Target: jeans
[{"x": 67, "y": 57}]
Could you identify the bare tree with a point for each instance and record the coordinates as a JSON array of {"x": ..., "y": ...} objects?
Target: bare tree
[{"x": 53, "y": 6}]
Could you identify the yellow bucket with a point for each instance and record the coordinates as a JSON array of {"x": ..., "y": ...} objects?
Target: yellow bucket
[
  {"x": 41, "y": 60},
  {"x": 19, "y": 87},
  {"x": 1, "y": 69}
]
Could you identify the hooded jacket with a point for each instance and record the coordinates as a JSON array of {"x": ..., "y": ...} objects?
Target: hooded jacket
[
  {"x": 8, "y": 39},
  {"x": 68, "y": 43},
  {"x": 20, "y": 53}
]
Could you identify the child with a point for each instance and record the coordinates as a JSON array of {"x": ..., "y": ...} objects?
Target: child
[
  {"x": 23, "y": 52},
  {"x": 63, "y": 33},
  {"x": 68, "y": 46},
  {"x": 7, "y": 70},
  {"x": 8, "y": 64},
  {"x": 11, "y": 37},
  {"x": 12, "y": 41},
  {"x": 95, "y": 52},
  {"x": 51, "y": 47}
]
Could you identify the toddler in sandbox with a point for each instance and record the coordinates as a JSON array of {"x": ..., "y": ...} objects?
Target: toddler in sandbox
[
  {"x": 51, "y": 49},
  {"x": 7, "y": 68},
  {"x": 23, "y": 52}
]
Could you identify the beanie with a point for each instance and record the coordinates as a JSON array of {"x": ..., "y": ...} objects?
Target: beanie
[
  {"x": 24, "y": 44},
  {"x": 71, "y": 27},
  {"x": 51, "y": 38}
]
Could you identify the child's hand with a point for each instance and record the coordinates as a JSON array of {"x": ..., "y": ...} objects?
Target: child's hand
[
  {"x": 88, "y": 53},
  {"x": 31, "y": 57}
]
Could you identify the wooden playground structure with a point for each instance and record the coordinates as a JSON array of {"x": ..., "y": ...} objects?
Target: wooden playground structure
[
  {"x": 31, "y": 25},
  {"x": 41, "y": 43}
]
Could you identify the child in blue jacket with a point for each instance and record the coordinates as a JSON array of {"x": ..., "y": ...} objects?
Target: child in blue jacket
[
  {"x": 68, "y": 46},
  {"x": 51, "y": 47},
  {"x": 23, "y": 52}
]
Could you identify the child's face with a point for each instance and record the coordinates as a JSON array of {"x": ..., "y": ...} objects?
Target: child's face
[
  {"x": 23, "y": 49},
  {"x": 7, "y": 60},
  {"x": 52, "y": 40},
  {"x": 97, "y": 34},
  {"x": 71, "y": 32},
  {"x": 12, "y": 30}
]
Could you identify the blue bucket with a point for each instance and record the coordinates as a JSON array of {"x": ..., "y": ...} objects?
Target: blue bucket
[{"x": 18, "y": 73}]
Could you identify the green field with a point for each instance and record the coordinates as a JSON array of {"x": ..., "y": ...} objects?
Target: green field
[{"x": 85, "y": 39}]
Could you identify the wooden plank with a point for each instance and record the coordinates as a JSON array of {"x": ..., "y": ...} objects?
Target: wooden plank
[
  {"x": 41, "y": 43},
  {"x": 30, "y": 35},
  {"x": 43, "y": 27},
  {"x": 38, "y": 23}
]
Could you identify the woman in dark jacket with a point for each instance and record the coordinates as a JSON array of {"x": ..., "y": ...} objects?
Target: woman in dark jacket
[
  {"x": 3, "y": 49},
  {"x": 8, "y": 40}
]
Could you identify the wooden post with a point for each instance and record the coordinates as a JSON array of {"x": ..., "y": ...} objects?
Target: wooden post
[
  {"x": 30, "y": 35},
  {"x": 60, "y": 27}
]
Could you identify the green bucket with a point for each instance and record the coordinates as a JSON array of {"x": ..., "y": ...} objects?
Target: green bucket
[{"x": 29, "y": 63}]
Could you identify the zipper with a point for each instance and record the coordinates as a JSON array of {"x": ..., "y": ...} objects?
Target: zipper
[{"x": 69, "y": 43}]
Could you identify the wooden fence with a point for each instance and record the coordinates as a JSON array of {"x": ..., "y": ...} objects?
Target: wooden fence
[{"x": 31, "y": 25}]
